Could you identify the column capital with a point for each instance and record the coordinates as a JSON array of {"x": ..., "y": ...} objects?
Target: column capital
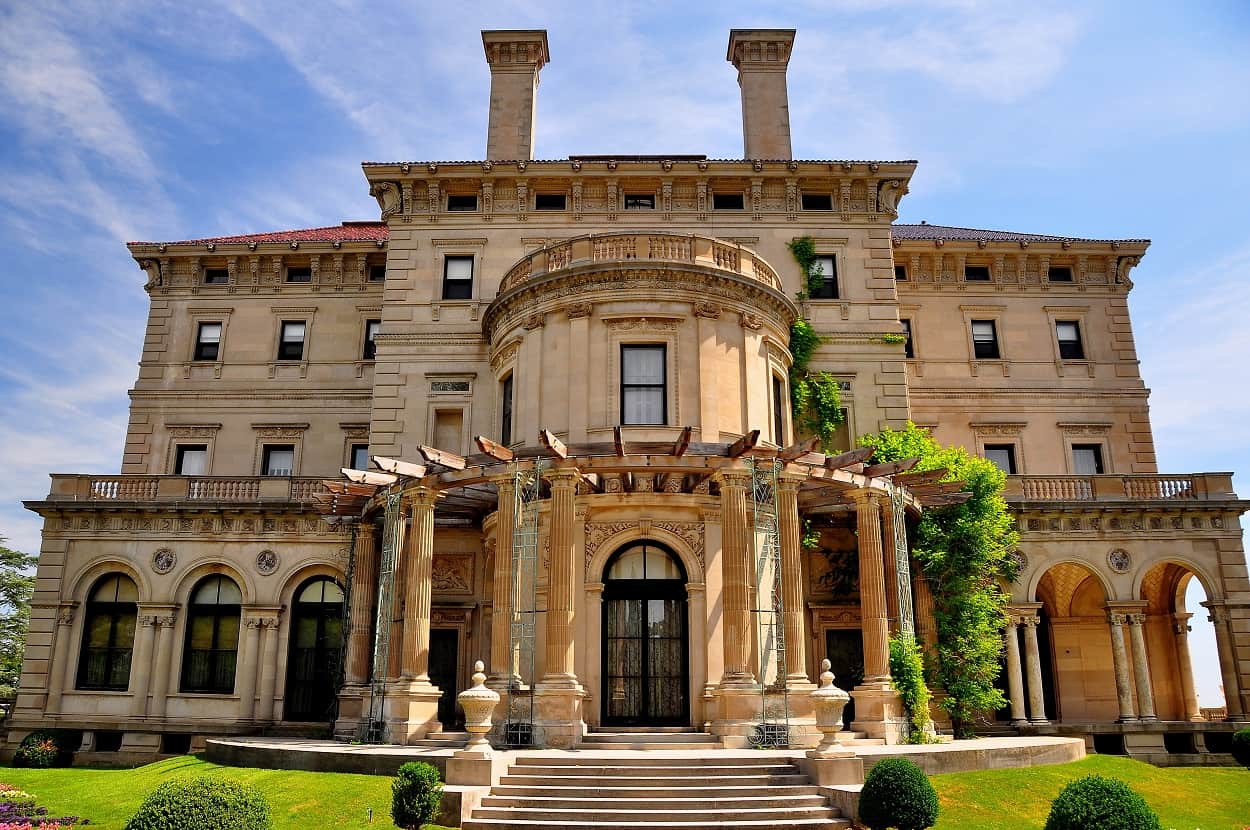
[
  {"x": 1116, "y": 618},
  {"x": 732, "y": 478},
  {"x": 564, "y": 478},
  {"x": 423, "y": 496},
  {"x": 1136, "y": 618},
  {"x": 790, "y": 482},
  {"x": 593, "y": 587},
  {"x": 865, "y": 495},
  {"x": 503, "y": 481}
]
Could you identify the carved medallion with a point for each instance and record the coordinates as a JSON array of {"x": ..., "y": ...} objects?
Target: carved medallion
[
  {"x": 266, "y": 562},
  {"x": 163, "y": 561},
  {"x": 1119, "y": 561}
]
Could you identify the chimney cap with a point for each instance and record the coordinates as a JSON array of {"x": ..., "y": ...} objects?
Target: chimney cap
[
  {"x": 780, "y": 37},
  {"x": 535, "y": 52}
]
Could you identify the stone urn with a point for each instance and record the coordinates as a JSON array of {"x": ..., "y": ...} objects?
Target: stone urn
[
  {"x": 829, "y": 701},
  {"x": 479, "y": 704}
]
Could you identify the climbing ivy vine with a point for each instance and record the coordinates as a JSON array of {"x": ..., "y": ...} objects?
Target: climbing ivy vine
[{"x": 815, "y": 397}]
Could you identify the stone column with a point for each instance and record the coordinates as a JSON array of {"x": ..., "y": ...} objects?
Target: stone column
[
  {"x": 364, "y": 595},
  {"x": 415, "y": 659},
  {"x": 1033, "y": 656},
  {"x": 1180, "y": 628},
  {"x": 1141, "y": 668},
  {"x": 738, "y": 633},
  {"x": 501, "y": 674},
  {"x": 889, "y": 566},
  {"x": 163, "y": 666},
  {"x": 792, "y": 578},
  {"x": 247, "y": 671},
  {"x": 696, "y": 602},
  {"x": 558, "y": 696},
  {"x": 876, "y": 628},
  {"x": 1228, "y": 662},
  {"x": 1123, "y": 689},
  {"x": 926, "y": 625},
  {"x": 268, "y": 669},
  {"x": 141, "y": 663},
  {"x": 62, "y": 644},
  {"x": 1015, "y": 682}
]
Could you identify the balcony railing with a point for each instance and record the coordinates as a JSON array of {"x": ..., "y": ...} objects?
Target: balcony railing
[
  {"x": 215, "y": 489},
  {"x": 1196, "y": 486},
  {"x": 642, "y": 247}
]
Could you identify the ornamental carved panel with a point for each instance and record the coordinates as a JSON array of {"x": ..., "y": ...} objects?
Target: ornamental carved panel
[{"x": 453, "y": 573}]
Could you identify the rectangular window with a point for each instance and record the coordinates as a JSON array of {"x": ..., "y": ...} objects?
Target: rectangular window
[
  {"x": 1003, "y": 456},
  {"x": 360, "y": 457},
  {"x": 377, "y": 273},
  {"x": 371, "y": 333},
  {"x": 549, "y": 201},
  {"x": 977, "y": 273},
  {"x": 291, "y": 346},
  {"x": 985, "y": 340},
  {"x": 1059, "y": 273},
  {"x": 299, "y": 273},
  {"x": 207, "y": 341},
  {"x": 505, "y": 426},
  {"x": 908, "y": 349},
  {"x": 457, "y": 203},
  {"x": 279, "y": 460},
  {"x": 1068, "y": 332},
  {"x": 779, "y": 412},
  {"x": 727, "y": 201},
  {"x": 640, "y": 201},
  {"x": 458, "y": 278},
  {"x": 216, "y": 276},
  {"x": 817, "y": 201},
  {"x": 900, "y": 273},
  {"x": 827, "y": 268},
  {"x": 191, "y": 460},
  {"x": 643, "y": 392},
  {"x": 1087, "y": 459}
]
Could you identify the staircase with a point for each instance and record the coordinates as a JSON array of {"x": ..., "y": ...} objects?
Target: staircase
[
  {"x": 649, "y": 737},
  {"x": 561, "y": 792}
]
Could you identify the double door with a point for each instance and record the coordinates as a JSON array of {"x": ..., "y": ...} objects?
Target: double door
[{"x": 645, "y": 656}]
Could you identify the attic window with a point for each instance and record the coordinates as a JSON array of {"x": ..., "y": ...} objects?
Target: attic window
[
  {"x": 377, "y": 273},
  {"x": 900, "y": 273},
  {"x": 817, "y": 201},
  {"x": 640, "y": 201},
  {"x": 549, "y": 201},
  {"x": 728, "y": 201},
  {"x": 1061, "y": 273},
  {"x": 299, "y": 273},
  {"x": 216, "y": 276},
  {"x": 461, "y": 203},
  {"x": 977, "y": 273}
]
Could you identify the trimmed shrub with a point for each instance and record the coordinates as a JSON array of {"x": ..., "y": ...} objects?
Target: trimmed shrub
[
  {"x": 202, "y": 804},
  {"x": 1097, "y": 803},
  {"x": 897, "y": 794},
  {"x": 47, "y": 748},
  {"x": 1241, "y": 747},
  {"x": 416, "y": 795}
]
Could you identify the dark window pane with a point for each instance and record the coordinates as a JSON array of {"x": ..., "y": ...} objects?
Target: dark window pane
[
  {"x": 458, "y": 278},
  {"x": 279, "y": 460},
  {"x": 371, "y": 332},
  {"x": 457, "y": 203},
  {"x": 1003, "y": 456},
  {"x": 985, "y": 340},
  {"x": 301, "y": 273},
  {"x": 291, "y": 344},
  {"x": 1059, "y": 273},
  {"x": 827, "y": 269},
  {"x": 643, "y": 390},
  {"x": 779, "y": 416},
  {"x": 817, "y": 201},
  {"x": 216, "y": 276},
  {"x": 908, "y": 349},
  {"x": 1087, "y": 459},
  {"x": 360, "y": 457},
  {"x": 191, "y": 460},
  {"x": 640, "y": 201},
  {"x": 727, "y": 201},
  {"x": 506, "y": 411},
  {"x": 207, "y": 341},
  {"x": 900, "y": 273},
  {"x": 377, "y": 273},
  {"x": 977, "y": 273},
  {"x": 1068, "y": 333},
  {"x": 549, "y": 201}
]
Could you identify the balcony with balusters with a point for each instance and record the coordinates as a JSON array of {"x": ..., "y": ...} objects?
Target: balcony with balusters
[
  {"x": 172, "y": 489},
  {"x": 1195, "y": 487}
]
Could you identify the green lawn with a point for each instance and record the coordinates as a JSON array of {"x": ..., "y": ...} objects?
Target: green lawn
[
  {"x": 1186, "y": 798},
  {"x": 297, "y": 800}
]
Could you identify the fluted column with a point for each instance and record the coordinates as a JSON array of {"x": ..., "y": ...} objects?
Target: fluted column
[
  {"x": 1228, "y": 663},
  {"x": 141, "y": 663},
  {"x": 889, "y": 566},
  {"x": 876, "y": 626},
  {"x": 418, "y": 589},
  {"x": 1123, "y": 689},
  {"x": 268, "y": 668},
  {"x": 247, "y": 671},
  {"x": 1141, "y": 668},
  {"x": 792, "y": 578},
  {"x": 501, "y": 673},
  {"x": 1180, "y": 629},
  {"x": 737, "y": 631},
  {"x": 163, "y": 664},
  {"x": 561, "y": 591},
  {"x": 1015, "y": 681},
  {"x": 62, "y": 644},
  {"x": 926, "y": 624},
  {"x": 1033, "y": 657},
  {"x": 364, "y": 595}
]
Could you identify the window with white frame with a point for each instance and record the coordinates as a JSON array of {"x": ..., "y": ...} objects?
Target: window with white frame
[
  {"x": 1068, "y": 333},
  {"x": 291, "y": 340},
  {"x": 458, "y": 278},
  {"x": 207, "y": 341},
  {"x": 644, "y": 392}
]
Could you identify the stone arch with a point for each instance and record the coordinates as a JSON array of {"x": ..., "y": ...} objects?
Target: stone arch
[
  {"x": 102, "y": 565},
  {"x": 207, "y": 567},
  {"x": 1078, "y": 669},
  {"x": 597, "y": 556},
  {"x": 1146, "y": 575},
  {"x": 1167, "y": 631},
  {"x": 299, "y": 573},
  {"x": 1035, "y": 579}
]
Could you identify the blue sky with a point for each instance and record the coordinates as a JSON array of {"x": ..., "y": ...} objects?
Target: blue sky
[{"x": 126, "y": 120}]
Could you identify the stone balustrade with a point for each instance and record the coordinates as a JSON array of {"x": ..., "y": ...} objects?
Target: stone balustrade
[
  {"x": 1198, "y": 487},
  {"x": 141, "y": 488},
  {"x": 687, "y": 249}
]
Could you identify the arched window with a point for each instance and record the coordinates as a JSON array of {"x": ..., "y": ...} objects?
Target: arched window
[
  {"x": 109, "y": 635},
  {"x": 212, "y": 636},
  {"x": 316, "y": 651}
]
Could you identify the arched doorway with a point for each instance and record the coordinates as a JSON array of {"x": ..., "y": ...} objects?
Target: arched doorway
[
  {"x": 316, "y": 651},
  {"x": 645, "y": 642},
  {"x": 1078, "y": 673},
  {"x": 1180, "y": 643}
]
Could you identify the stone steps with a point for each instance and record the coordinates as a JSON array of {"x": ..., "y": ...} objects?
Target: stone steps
[
  {"x": 449, "y": 740},
  {"x": 654, "y": 793},
  {"x": 679, "y": 737}
]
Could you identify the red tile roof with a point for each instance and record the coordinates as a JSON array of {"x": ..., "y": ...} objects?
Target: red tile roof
[
  {"x": 926, "y": 232},
  {"x": 346, "y": 232}
]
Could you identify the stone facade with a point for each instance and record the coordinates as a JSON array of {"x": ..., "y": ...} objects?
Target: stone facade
[{"x": 496, "y": 299}]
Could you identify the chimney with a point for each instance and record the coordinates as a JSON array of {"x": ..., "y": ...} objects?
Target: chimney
[
  {"x": 515, "y": 58},
  {"x": 761, "y": 57}
]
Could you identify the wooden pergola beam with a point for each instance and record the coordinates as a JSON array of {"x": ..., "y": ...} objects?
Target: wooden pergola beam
[
  {"x": 683, "y": 442},
  {"x": 849, "y": 459},
  {"x": 943, "y": 488},
  {"x": 434, "y": 455},
  {"x": 925, "y": 477},
  {"x": 494, "y": 449},
  {"x": 554, "y": 444},
  {"x": 367, "y": 477},
  {"x": 890, "y": 468},
  {"x": 618, "y": 442},
  {"x": 394, "y": 465},
  {"x": 797, "y": 451},
  {"x": 744, "y": 444}
]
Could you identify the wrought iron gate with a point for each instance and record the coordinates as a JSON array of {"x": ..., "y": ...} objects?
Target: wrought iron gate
[
  {"x": 774, "y": 726},
  {"x": 522, "y": 628}
]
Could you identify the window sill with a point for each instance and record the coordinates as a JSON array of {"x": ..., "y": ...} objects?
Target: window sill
[
  {"x": 205, "y": 695},
  {"x": 101, "y": 692}
]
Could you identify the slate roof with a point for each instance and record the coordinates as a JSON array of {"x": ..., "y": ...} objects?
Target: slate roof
[
  {"x": 949, "y": 233},
  {"x": 346, "y": 232}
]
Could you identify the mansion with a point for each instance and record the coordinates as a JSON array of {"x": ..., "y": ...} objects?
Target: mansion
[{"x": 538, "y": 414}]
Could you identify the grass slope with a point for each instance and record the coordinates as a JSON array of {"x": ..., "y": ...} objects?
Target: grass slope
[
  {"x": 109, "y": 797},
  {"x": 1186, "y": 798}
]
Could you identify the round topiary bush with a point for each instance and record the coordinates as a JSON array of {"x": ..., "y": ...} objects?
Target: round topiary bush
[
  {"x": 416, "y": 795},
  {"x": 1241, "y": 747},
  {"x": 897, "y": 794},
  {"x": 1097, "y": 803},
  {"x": 202, "y": 804}
]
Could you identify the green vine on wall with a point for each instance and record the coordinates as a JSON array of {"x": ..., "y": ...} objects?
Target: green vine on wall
[
  {"x": 815, "y": 397},
  {"x": 907, "y": 674}
]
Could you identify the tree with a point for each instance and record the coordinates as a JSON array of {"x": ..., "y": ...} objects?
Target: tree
[
  {"x": 965, "y": 551},
  {"x": 17, "y": 584}
]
